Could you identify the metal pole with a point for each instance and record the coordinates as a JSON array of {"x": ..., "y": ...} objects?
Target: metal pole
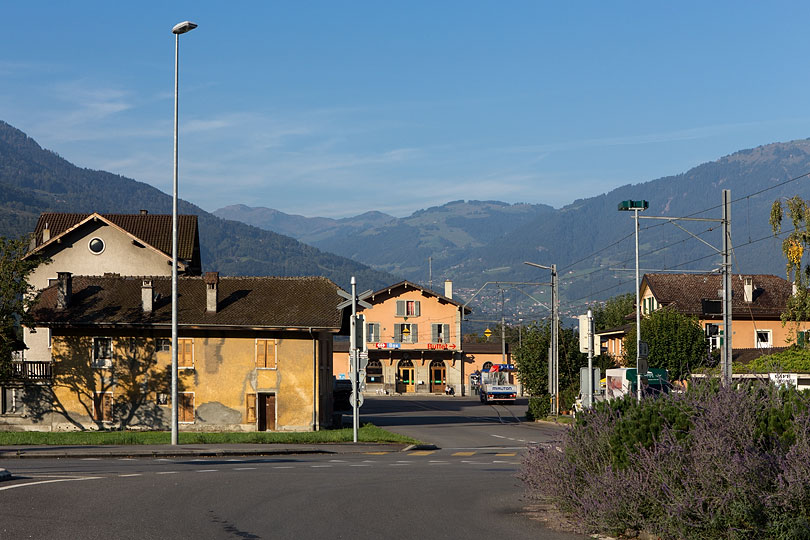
[
  {"x": 353, "y": 360},
  {"x": 726, "y": 287},
  {"x": 555, "y": 322},
  {"x": 590, "y": 358},
  {"x": 174, "y": 420},
  {"x": 638, "y": 318}
]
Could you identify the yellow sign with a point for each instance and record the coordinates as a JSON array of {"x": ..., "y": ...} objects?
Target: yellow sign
[
  {"x": 487, "y": 332},
  {"x": 406, "y": 331}
]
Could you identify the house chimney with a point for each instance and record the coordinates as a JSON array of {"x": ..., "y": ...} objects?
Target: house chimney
[
  {"x": 144, "y": 212},
  {"x": 64, "y": 290},
  {"x": 147, "y": 298},
  {"x": 748, "y": 289},
  {"x": 46, "y": 233},
  {"x": 211, "y": 289},
  {"x": 448, "y": 289}
]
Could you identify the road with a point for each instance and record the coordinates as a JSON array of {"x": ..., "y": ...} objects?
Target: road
[{"x": 465, "y": 489}]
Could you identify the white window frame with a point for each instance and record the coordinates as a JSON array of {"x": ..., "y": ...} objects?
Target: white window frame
[
  {"x": 163, "y": 345},
  {"x": 102, "y": 363},
  {"x": 193, "y": 356},
  {"x": 439, "y": 333},
  {"x": 193, "y": 407},
  {"x": 763, "y": 344},
  {"x": 256, "y": 353},
  {"x": 15, "y": 408},
  {"x": 372, "y": 332},
  {"x": 410, "y": 338}
]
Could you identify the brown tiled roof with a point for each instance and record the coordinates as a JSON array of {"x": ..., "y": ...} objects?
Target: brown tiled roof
[
  {"x": 686, "y": 292},
  {"x": 391, "y": 291},
  {"x": 153, "y": 229},
  {"x": 244, "y": 302}
]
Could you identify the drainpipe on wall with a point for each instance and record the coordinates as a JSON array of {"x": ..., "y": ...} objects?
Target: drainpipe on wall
[{"x": 314, "y": 381}]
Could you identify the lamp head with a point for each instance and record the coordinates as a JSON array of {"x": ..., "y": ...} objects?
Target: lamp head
[{"x": 183, "y": 27}]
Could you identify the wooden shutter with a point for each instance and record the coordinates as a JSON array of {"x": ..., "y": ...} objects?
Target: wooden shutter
[
  {"x": 398, "y": 333},
  {"x": 446, "y": 333},
  {"x": 185, "y": 407},
  {"x": 400, "y": 308},
  {"x": 250, "y": 408},
  {"x": 434, "y": 333},
  {"x": 414, "y": 333},
  {"x": 417, "y": 310},
  {"x": 185, "y": 352}
]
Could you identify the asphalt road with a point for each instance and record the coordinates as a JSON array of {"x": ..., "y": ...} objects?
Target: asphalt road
[{"x": 465, "y": 489}]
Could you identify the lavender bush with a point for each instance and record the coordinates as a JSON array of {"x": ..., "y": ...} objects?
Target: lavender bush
[{"x": 710, "y": 463}]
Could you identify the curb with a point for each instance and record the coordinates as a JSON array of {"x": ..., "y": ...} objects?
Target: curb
[{"x": 412, "y": 447}]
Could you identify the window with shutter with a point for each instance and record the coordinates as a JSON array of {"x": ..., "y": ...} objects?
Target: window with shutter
[
  {"x": 414, "y": 333},
  {"x": 398, "y": 333},
  {"x": 185, "y": 353},
  {"x": 400, "y": 308},
  {"x": 266, "y": 353},
  {"x": 102, "y": 352},
  {"x": 102, "y": 406},
  {"x": 435, "y": 333},
  {"x": 372, "y": 332},
  {"x": 250, "y": 408},
  {"x": 445, "y": 333},
  {"x": 185, "y": 407}
]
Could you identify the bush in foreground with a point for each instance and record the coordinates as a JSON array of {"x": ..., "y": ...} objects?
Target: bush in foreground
[{"x": 710, "y": 463}]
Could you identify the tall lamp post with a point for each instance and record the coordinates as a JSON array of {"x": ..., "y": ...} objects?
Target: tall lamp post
[
  {"x": 636, "y": 206},
  {"x": 180, "y": 28},
  {"x": 554, "y": 356}
]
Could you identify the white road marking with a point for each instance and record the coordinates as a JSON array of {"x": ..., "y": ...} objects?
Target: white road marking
[
  {"x": 404, "y": 461},
  {"x": 320, "y": 466},
  {"x": 498, "y": 436},
  {"x": 400, "y": 464},
  {"x": 284, "y": 467},
  {"x": 437, "y": 461},
  {"x": 369, "y": 461},
  {"x": 206, "y": 470},
  {"x": 15, "y": 486},
  {"x": 91, "y": 459},
  {"x": 244, "y": 468},
  {"x": 234, "y": 459},
  {"x": 168, "y": 472},
  {"x": 128, "y": 475},
  {"x": 337, "y": 461},
  {"x": 360, "y": 465},
  {"x": 126, "y": 459}
]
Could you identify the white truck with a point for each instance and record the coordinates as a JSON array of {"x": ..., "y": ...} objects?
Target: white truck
[{"x": 498, "y": 385}]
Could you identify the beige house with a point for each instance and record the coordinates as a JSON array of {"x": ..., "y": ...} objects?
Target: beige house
[{"x": 413, "y": 338}]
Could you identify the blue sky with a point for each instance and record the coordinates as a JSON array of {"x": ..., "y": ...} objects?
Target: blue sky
[{"x": 337, "y": 108}]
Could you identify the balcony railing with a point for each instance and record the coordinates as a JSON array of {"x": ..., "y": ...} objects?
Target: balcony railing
[{"x": 32, "y": 370}]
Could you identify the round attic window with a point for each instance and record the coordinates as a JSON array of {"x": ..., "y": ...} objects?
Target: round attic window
[{"x": 96, "y": 246}]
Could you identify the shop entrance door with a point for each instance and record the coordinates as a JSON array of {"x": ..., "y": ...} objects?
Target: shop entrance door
[
  {"x": 405, "y": 377},
  {"x": 438, "y": 377},
  {"x": 266, "y": 410}
]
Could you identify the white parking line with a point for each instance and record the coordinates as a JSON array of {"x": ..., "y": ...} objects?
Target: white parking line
[{"x": 15, "y": 486}]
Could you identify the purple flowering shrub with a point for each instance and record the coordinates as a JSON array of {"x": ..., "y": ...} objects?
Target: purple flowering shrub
[{"x": 709, "y": 463}]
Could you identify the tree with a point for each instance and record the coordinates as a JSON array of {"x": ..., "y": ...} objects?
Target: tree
[
  {"x": 793, "y": 246},
  {"x": 531, "y": 358},
  {"x": 16, "y": 296},
  {"x": 614, "y": 311},
  {"x": 677, "y": 342}
]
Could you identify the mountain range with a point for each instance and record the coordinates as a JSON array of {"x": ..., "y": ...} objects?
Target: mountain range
[
  {"x": 471, "y": 242},
  {"x": 34, "y": 180}
]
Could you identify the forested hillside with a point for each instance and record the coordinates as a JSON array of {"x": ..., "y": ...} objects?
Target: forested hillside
[{"x": 35, "y": 180}]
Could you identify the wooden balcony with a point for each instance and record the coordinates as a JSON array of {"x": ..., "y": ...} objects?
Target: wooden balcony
[{"x": 32, "y": 371}]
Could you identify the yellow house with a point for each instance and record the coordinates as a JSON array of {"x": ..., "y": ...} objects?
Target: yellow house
[{"x": 255, "y": 353}]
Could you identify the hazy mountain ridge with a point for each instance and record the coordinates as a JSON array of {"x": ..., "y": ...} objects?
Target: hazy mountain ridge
[
  {"x": 472, "y": 241},
  {"x": 36, "y": 180}
]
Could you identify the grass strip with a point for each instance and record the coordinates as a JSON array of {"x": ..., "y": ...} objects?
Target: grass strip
[{"x": 368, "y": 433}]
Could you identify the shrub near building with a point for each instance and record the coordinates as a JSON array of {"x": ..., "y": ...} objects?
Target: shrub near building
[{"x": 710, "y": 463}]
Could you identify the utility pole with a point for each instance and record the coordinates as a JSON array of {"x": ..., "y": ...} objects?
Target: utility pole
[
  {"x": 726, "y": 268},
  {"x": 590, "y": 359},
  {"x": 554, "y": 352},
  {"x": 354, "y": 351}
]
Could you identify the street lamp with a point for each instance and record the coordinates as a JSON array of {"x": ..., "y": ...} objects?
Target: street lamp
[
  {"x": 180, "y": 28},
  {"x": 636, "y": 206}
]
